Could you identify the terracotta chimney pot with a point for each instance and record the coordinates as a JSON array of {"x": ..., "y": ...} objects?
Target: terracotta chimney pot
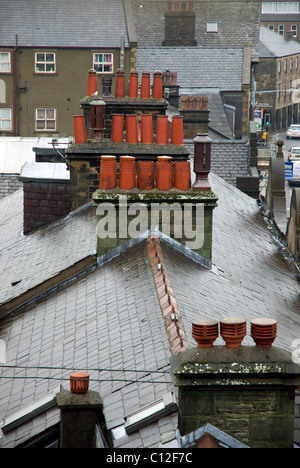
[
  {"x": 233, "y": 331},
  {"x": 108, "y": 173},
  {"x": 157, "y": 85},
  {"x": 120, "y": 83},
  {"x": 117, "y": 128},
  {"x": 162, "y": 130},
  {"x": 182, "y": 175},
  {"x": 131, "y": 128},
  {"x": 263, "y": 332},
  {"x": 127, "y": 173},
  {"x": 92, "y": 82},
  {"x": 145, "y": 175},
  {"x": 205, "y": 332},
  {"x": 177, "y": 130},
  {"x": 146, "y": 128},
  {"x": 134, "y": 84},
  {"x": 145, "y": 86},
  {"x": 79, "y": 129},
  {"x": 164, "y": 173},
  {"x": 79, "y": 382}
]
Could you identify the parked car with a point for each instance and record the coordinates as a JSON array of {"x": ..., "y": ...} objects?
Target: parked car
[
  {"x": 294, "y": 154},
  {"x": 293, "y": 131},
  {"x": 295, "y": 179}
]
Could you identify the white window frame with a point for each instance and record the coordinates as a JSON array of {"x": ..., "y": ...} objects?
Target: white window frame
[
  {"x": 212, "y": 27},
  {"x": 4, "y": 63},
  {"x": 281, "y": 29},
  {"x": 294, "y": 30},
  {"x": 45, "y": 62},
  {"x": 271, "y": 27},
  {"x": 106, "y": 66},
  {"x": 280, "y": 7},
  {"x": 41, "y": 116},
  {"x": 4, "y": 118}
]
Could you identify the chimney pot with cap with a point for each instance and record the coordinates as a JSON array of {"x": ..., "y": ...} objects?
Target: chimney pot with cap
[
  {"x": 80, "y": 409},
  {"x": 202, "y": 160}
]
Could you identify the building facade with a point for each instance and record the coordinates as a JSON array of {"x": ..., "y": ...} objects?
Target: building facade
[
  {"x": 282, "y": 17},
  {"x": 277, "y": 80},
  {"x": 41, "y": 68}
]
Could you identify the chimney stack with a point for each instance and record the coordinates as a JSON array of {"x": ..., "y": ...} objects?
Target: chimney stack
[
  {"x": 79, "y": 408},
  {"x": 46, "y": 188},
  {"x": 245, "y": 391}
]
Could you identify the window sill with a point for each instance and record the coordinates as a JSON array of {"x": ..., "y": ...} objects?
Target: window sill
[{"x": 45, "y": 74}]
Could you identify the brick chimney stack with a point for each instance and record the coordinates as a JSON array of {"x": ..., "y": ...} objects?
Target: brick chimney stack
[{"x": 46, "y": 193}]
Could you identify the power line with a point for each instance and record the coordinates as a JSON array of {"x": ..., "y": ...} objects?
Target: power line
[
  {"x": 138, "y": 380},
  {"x": 10, "y": 366},
  {"x": 90, "y": 380}
]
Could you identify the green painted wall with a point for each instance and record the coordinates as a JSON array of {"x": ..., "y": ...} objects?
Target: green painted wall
[{"x": 62, "y": 90}]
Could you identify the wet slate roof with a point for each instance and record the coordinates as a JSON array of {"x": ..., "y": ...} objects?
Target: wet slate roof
[
  {"x": 110, "y": 318},
  {"x": 273, "y": 44},
  {"x": 68, "y": 23},
  {"x": 196, "y": 67},
  {"x": 32, "y": 259}
]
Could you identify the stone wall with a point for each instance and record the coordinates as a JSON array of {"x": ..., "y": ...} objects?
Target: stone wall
[
  {"x": 247, "y": 392},
  {"x": 119, "y": 218}
]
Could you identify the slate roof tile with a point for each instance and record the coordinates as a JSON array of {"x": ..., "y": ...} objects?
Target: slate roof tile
[
  {"x": 196, "y": 67},
  {"x": 110, "y": 321},
  {"x": 39, "y": 256},
  {"x": 273, "y": 44},
  {"x": 68, "y": 23}
]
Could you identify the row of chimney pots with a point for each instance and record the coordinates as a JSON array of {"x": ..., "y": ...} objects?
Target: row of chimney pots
[
  {"x": 145, "y": 92},
  {"x": 132, "y": 125},
  {"x": 165, "y": 177},
  {"x": 135, "y": 130},
  {"x": 233, "y": 331}
]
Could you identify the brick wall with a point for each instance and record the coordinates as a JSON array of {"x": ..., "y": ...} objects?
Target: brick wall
[
  {"x": 44, "y": 203},
  {"x": 9, "y": 183}
]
